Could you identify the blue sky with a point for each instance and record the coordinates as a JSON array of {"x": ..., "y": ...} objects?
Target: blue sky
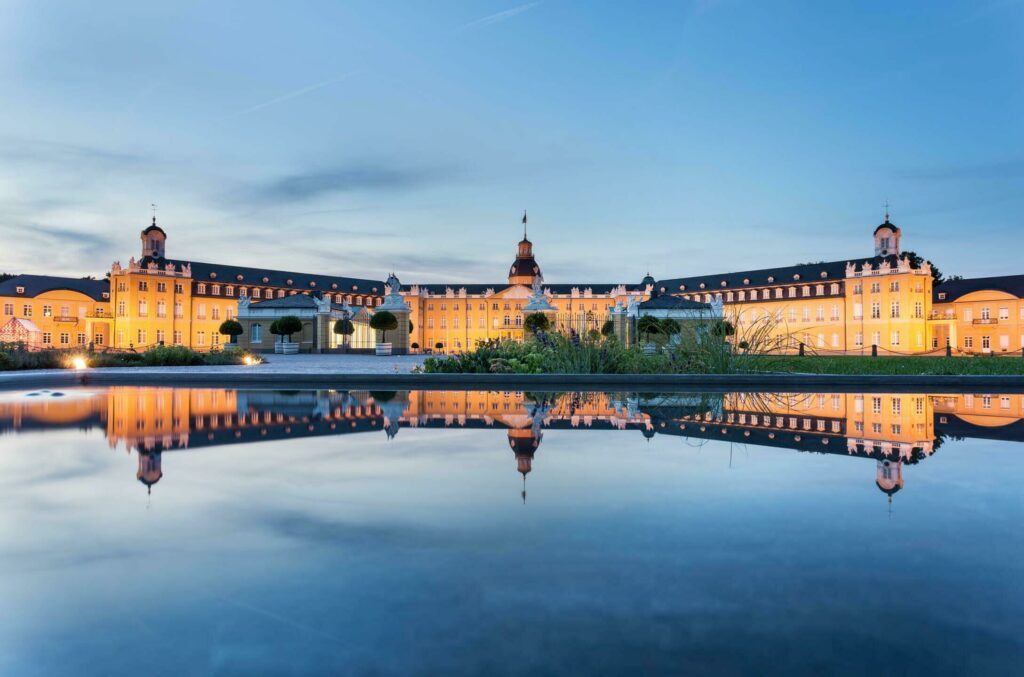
[{"x": 357, "y": 137}]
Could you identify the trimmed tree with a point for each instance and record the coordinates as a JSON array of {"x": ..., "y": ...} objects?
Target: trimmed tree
[
  {"x": 439, "y": 346},
  {"x": 344, "y": 327},
  {"x": 275, "y": 328},
  {"x": 648, "y": 325},
  {"x": 384, "y": 321},
  {"x": 232, "y": 328},
  {"x": 608, "y": 328},
  {"x": 288, "y": 325},
  {"x": 536, "y": 322},
  {"x": 670, "y": 327},
  {"x": 722, "y": 329}
]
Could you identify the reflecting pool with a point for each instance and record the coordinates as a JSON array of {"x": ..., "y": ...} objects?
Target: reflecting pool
[{"x": 214, "y": 531}]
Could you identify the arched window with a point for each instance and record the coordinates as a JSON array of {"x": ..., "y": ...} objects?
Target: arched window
[{"x": 257, "y": 333}]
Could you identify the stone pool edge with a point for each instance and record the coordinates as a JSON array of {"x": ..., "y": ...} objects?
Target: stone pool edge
[{"x": 252, "y": 378}]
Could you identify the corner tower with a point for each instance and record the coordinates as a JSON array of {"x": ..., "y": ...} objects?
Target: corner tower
[
  {"x": 153, "y": 240},
  {"x": 524, "y": 269}
]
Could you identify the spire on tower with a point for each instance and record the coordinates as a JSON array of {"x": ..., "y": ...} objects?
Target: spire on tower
[{"x": 524, "y": 224}]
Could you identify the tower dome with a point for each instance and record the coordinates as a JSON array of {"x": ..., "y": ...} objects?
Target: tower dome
[
  {"x": 154, "y": 240},
  {"x": 524, "y": 269},
  {"x": 887, "y": 238}
]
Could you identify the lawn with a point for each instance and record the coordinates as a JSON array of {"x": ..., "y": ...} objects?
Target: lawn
[{"x": 896, "y": 366}]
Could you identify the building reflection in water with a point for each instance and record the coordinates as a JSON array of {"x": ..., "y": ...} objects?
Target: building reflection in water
[{"x": 893, "y": 429}]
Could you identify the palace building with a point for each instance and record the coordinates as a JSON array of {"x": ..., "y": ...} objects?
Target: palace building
[
  {"x": 887, "y": 303},
  {"x": 453, "y": 317}
]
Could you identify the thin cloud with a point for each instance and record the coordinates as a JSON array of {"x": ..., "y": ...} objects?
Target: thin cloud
[
  {"x": 311, "y": 185},
  {"x": 290, "y": 95},
  {"x": 496, "y": 18}
]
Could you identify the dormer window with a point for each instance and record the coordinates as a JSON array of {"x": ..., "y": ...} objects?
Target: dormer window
[
  {"x": 771, "y": 278},
  {"x": 701, "y": 285},
  {"x": 355, "y": 287},
  {"x": 796, "y": 276},
  {"x": 213, "y": 276},
  {"x": 239, "y": 277},
  {"x": 288, "y": 281},
  {"x": 312, "y": 283},
  {"x": 334, "y": 285},
  {"x": 824, "y": 274},
  {"x": 266, "y": 280},
  {"x": 20, "y": 290},
  {"x": 682, "y": 287},
  {"x": 724, "y": 283},
  {"x": 662, "y": 290},
  {"x": 942, "y": 296}
]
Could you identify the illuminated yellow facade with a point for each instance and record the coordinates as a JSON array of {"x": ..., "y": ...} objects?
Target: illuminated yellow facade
[
  {"x": 453, "y": 317},
  {"x": 888, "y": 303}
]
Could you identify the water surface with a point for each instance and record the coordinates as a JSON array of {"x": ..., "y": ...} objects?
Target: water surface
[{"x": 198, "y": 531}]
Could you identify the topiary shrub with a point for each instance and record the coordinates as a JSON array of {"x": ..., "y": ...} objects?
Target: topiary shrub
[
  {"x": 384, "y": 321},
  {"x": 232, "y": 328}
]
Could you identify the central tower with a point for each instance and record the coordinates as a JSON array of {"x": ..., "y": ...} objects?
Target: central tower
[{"x": 524, "y": 269}]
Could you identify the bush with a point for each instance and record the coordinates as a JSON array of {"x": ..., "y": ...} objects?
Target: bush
[
  {"x": 535, "y": 322},
  {"x": 608, "y": 328},
  {"x": 158, "y": 356}
]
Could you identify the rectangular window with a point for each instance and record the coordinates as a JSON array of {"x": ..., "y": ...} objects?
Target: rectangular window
[
  {"x": 201, "y": 311},
  {"x": 143, "y": 286},
  {"x": 858, "y": 339},
  {"x": 968, "y": 314},
  {"x": 230, "y": 291},
  {"x": 858, "y": 311},
  {"x": 918, "y": 310},
  {"x": 1004, "y": 342},
  {"x": 1004, "y": 313},
  {"x": 897, "y": 429},
  {"x": 179, "y": 311},
  {"x": 161, "y": 309},
  {"x": 875, "y": 287},
  {"x": 256, "y": 291},
  {"x": 894, "y": 309},
  {"x": 986, "y": 313},
  {"x": 161, "y": 286},
  {"x": 968, "y": 342},
  {"x": 876, "y": 338},
  {"x": 98, "y": 339},
  {"x": 895, "y": 338},
  {"x": 179, "y": 288},
  {"x": 81, "y": 338},
  {"x": 820, "y": 315},
  {"x": 177, "y": 337},
  {"x": 897, "y": 406},
  {"x": 143, "y": 308},
  {"x": 121, "y": 309},
  {"x": 858, "y": 288},
  {"x": 986, "y": 343},
  {"x": 26, "y": 310},
  {"x": 215, "y": 313},
  {"x": 257, "y": 333},
  {"x": 160, "y": 336},
  {"x": 47, "y": 338},
  {"x": 876, "y": 310},
  {"x": 47, "y": 311},
  {"x": 894, "y": 285},
  {"x": 201, "y": 338},
  {"x": 8, "y": 309},
  {"x": 141, "y": 336},
  {"x": 807, "y": 315}
]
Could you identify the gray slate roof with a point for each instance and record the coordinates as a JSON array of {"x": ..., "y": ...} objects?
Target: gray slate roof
[
  {"x": 954, "y": 289},
  {"x": 277, "y": 278},
  {"x": 476, "y": 289},
  {"x": 670, "y": 302},
  {"x": 809, "y": 273},
  {"x": 37, "y": 284}
]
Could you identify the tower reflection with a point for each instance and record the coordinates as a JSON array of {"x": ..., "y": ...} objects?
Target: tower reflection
[{"x": 893, "y": 429}]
